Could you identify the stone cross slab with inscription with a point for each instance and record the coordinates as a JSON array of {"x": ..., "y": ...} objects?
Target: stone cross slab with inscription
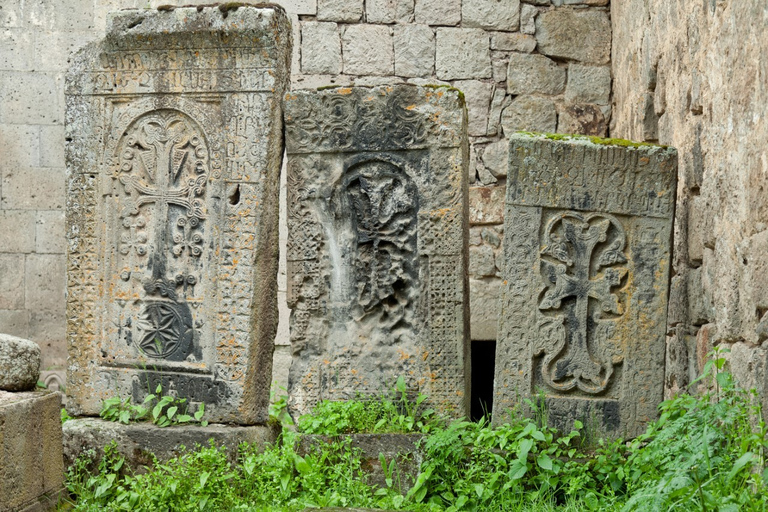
[
  {"x": 588, "y": 232},
  {"x": 174, "y": 144},
  {"x": 377, "y": 243}
]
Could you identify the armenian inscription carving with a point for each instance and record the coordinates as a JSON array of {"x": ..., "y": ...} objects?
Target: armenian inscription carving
[
  {"x": 377, "y": 243},
  {"x": 587, "y": 327},
  {"x": 172, "y": 209}
]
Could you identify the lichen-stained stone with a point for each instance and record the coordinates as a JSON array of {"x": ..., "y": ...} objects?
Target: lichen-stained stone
[
  {"x": 377, "y": 243},
  {"x": 531, "y": 73},
  {"x": 174, "y": 129},
  {"x": 579, "y": 34},
  {"x": 528, "y": 15},
  {"x": 588, "y": 229},
  {"x": 486, "y": 205},
  {"x": 583, "y": 119},
  {"x": 19, "y": 363}
]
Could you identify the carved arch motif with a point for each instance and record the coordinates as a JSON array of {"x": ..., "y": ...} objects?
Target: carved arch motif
[{"x": 162, "y": 162}]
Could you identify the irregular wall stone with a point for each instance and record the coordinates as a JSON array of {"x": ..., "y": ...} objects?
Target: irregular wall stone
[
  {"x": 530, "y": 74},
  {"x": 174, "y": 128},
  {"x": 438, "y": 12},
  {"x": 367, "y": 50},
  {"x": 588, "y": 84},
  {"x": 579, "y": 34},
  {"x": 320, "y": 48},
  {"x": 19, "y": 363},
  {"x": 414, "y": 50},
  {"x": 462, "y": 53},
  {"x": 587, "y": 259},
  {"x": 347, "y": 11},
  {"x": 491, "y": 14},
  {"x": 377, "y": 243},
  {"x": 529, "y": 113}
]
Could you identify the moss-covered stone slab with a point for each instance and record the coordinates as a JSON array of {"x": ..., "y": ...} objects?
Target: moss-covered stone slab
[
  {"x": 141, "y": 443},
  {"x": 588, "y": 231}
]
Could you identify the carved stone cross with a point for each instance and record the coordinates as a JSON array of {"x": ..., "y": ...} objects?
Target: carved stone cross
[
  {"x": 578, "y": 359},
  {"x": 163, "y": 162},
  {"x": 163, "y": 146}
]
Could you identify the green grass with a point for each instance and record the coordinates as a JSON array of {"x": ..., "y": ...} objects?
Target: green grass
[{"x": 705, "y": 453}]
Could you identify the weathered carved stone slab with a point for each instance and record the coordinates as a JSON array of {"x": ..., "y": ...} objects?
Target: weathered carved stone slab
[
  {"x": 377, "y": 243},
  {"x": 588, "y": 229},
  {"x": 173, "y": 157}
]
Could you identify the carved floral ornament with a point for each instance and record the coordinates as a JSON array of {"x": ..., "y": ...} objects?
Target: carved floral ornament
[
  {"x": 582, "y": 265},
  {"x": 346, "y": 121},
  {"x": 383, "y": 202}
]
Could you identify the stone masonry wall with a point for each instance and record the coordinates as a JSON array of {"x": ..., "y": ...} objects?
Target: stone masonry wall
[
  {"x": 693, "y": 75},
  {"x": 539, "y": 65},
  {"x": 535, "y": 65}
]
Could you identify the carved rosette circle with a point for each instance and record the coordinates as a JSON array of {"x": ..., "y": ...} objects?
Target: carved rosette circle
[{"x": 161, "y": 330}]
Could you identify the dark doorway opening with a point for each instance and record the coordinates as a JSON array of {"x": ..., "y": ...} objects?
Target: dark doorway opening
[{"x": 483, "y": 370}]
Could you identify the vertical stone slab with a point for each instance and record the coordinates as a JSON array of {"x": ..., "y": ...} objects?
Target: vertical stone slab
[
  {"x": 174, "y": 133},
  {"x": 588, "y": 229},
  {"x": 377, "y": 243}
]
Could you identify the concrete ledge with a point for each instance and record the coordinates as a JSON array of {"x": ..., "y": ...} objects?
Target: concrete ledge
[
  {"x": 137, "y": 442},
  {"x": 31, "y": 463}
]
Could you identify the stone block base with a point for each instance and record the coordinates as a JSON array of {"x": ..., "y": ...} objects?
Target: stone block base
[
  {"x": 139, "y": 441},
  {"x": 31, "y": 464},
  {"x": 402, "y": 447}
]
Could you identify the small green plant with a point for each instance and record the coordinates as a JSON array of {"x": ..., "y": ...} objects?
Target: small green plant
[
  {"x": 278, "y": 410},
  {"x": 162, "y": 410},
  {"x": 65, "y": 415},
  {"x": 707, "y": 452},
  {"x": 389, "y": 413}
]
